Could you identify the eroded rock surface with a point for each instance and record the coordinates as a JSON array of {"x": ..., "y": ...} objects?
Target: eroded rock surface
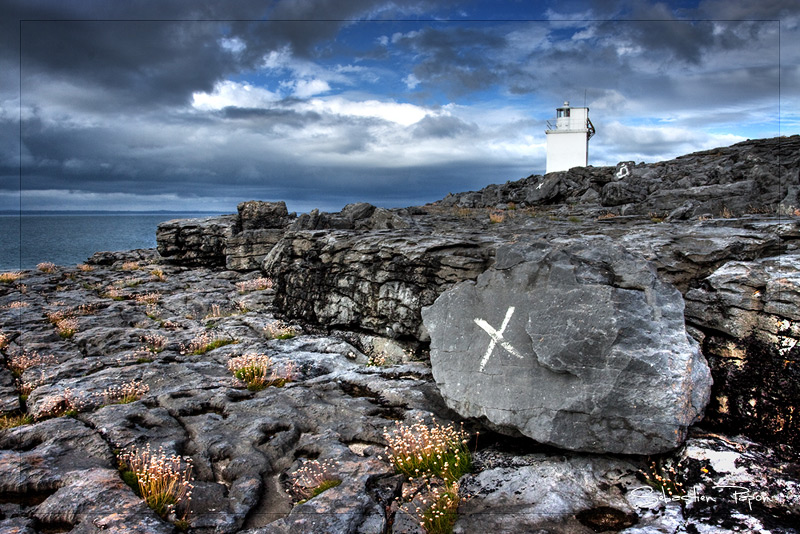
[
  {"x": 375, "y": 281},
  {"x": 367, "y": 272}
]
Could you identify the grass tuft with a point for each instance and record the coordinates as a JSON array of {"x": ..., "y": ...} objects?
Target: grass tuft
[
  {"x": 257, "y": 372},
  {"x": 163, "y": 481},
  {"x": 314, "y": 478},
  {"x": 420, "y": 450},
  {"x": 13, "y": 421}
]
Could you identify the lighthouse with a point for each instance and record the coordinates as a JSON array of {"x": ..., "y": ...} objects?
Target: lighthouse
[{"x": 568, "y": 138}]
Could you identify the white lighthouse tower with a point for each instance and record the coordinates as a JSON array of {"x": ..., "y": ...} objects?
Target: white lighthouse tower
[{"x": 568, "y": 138}]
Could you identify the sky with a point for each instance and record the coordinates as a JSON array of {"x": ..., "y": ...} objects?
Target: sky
[{"x": 200, "y": 105}]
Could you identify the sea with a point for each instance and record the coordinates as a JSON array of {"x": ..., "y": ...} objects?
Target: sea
[{"x": 70, "y": 238}]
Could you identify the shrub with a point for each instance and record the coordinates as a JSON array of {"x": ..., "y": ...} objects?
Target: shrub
[
  {"x": 131, "y": 266},
  {"x": 126, "y": 393},
  {"x": 10, "y": 276},
  {"x": 46, "y": 267},
  {"x": 256, "y": 284},
  {"x": 12, "y": 421},
  {"x": 18, "y": 363},
  {"x": 256, "y": 371},
  {"x": 5, "y": 339},
  {"x": 205, "y": 342},
  {"x": 158, "y": 275},
  {"x": 67, "y": 327},
  {"x": 313, "y": 478},
  {"x": 280, "y": 330},
  {"x": 148, "y": 298},
  {"x": 163, "y": 481},
  {"x": 16, "y": 304},
  {"x": 85, "y": 268},
  {"x": 420, "y": 450}
]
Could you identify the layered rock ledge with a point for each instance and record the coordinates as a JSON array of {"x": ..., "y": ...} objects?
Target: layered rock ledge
[{"x": 713, "y": 238}]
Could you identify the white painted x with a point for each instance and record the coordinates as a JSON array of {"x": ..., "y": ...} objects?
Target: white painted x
[{"x": 497, "y": 337}]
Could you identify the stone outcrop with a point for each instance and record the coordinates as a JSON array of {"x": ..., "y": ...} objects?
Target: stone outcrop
[
  {"x": 581, "y": 347},
  {"x": 260, "y": 226},
  {"x": 749, "y": 177},
  {"x": 749, "y": 312},
  {"x": 365, "y": 274},
  {"x": 375, "y": 281},
  {"x": 237, "y": 242},
  {"x": 196, "y": 242},
  {"x": 60, "y": 473}
]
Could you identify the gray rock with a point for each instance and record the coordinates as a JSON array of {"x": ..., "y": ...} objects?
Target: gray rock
[
  {"x": 746, "y": 177},
  {"x": 581, "y": 347},
  {"x": 196, "y": 241},
  {"x": 257, "y": 215},
  {"x": 728, "y": 485},
  {"x": 751, "y": 314},
  {"x": 246, "y": 250}
]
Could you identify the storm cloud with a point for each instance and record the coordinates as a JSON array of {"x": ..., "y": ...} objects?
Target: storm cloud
[{"x": 199, "y": 105}]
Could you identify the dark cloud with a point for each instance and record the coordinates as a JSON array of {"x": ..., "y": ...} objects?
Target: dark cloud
[
  {"x": 107, "y": 92},
  {"x": 146, "y": 53}
]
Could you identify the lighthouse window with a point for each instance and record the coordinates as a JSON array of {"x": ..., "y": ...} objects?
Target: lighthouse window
[{"x": 562, "y": 113}]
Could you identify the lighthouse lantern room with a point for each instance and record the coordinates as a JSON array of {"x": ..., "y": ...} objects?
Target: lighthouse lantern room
[{"x": 568, "y": 138}]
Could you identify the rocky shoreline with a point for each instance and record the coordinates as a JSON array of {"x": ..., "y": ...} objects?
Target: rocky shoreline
[{"x": 342, "y": 304}]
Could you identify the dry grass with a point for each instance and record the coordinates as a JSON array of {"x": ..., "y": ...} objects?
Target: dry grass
[
  {"x": 46, "y": 267},
  {"x": 131, "y": 266},
  {"x": 18, "y": 363},
  {"x": 67, "y": 327},
  {"x": 257, "y": 372},
  {"x": 5, "y": 339},
  {"x": 158, "y": 275},
  {"x": 205, "y": 342},
  {"x": 497, "y": 217},
  {"x": 280, "y": 330},
  {"x": 85, "y": 268},
  {"x": 10, "y": 276},
  {"x": 257, "y": 284},
  {"x": 17, "y": 304},
  {"x": 125, "y": 393},
  {"x": 148, "y": 298},
  {"x": 163, "y": 481},
  {"x": 12, "y": 421},
  {"x": 313, "y": 478}
]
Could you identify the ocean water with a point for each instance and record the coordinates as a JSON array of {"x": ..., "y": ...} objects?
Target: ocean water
[{"x": 71, "y": 238}]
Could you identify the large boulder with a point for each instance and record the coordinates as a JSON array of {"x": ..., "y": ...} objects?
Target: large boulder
[{"x": 579, "y": 346}]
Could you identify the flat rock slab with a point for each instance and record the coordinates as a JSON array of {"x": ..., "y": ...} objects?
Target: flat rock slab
[{"x": 579, "y": 346}]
